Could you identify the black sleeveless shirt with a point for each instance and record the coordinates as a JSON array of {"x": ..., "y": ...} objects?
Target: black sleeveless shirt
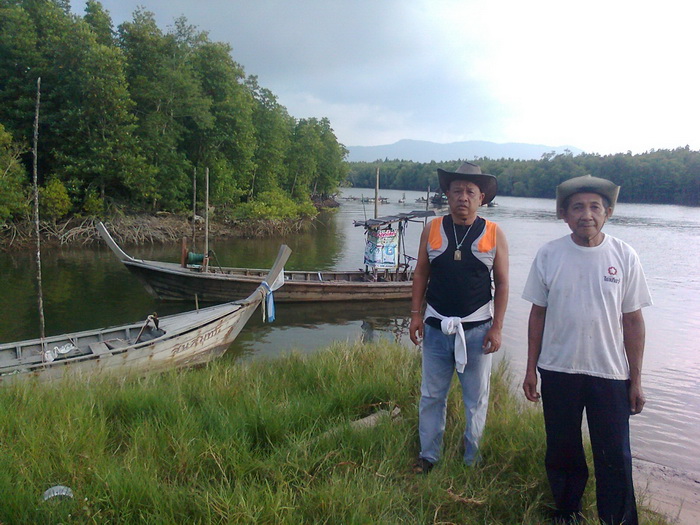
[{"x": 457, "y": 288}]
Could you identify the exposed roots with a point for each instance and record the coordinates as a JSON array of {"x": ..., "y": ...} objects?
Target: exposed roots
[
  {"x": 268, "y": 228},
  {"x": 141, "y": 229}
]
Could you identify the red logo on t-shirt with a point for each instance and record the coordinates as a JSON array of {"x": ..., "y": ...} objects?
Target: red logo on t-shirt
[{"x": 612, "y": 270}]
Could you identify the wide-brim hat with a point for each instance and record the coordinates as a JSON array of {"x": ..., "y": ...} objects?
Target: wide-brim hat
[
  {"x": 472, "y": 173},
  {"x": 586, "y": 184}
]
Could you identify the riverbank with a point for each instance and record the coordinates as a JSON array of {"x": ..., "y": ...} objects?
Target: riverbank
[
  {"x": 267, "y": 442},
  {"x": 668, "y": 491},
  {"x": 161, "y": 228}
]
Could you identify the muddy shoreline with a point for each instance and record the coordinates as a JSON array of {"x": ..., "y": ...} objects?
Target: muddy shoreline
[
  {"x": 667, "y": 491},
  {"x": 143, "y": 229}
]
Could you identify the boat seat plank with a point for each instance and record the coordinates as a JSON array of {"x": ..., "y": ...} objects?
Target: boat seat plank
[
  {"x": 100, "y": 348},
  {"x": 116, "y": 344}
]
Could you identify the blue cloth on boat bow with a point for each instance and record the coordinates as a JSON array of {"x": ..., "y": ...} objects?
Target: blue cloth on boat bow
[{"x": 269, "y": 306}]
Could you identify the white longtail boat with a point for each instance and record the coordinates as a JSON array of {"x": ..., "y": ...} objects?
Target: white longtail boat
[{"x": 179, "y": 340}]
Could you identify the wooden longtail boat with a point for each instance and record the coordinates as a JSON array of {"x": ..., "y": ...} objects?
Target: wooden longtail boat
[
  {"x": 173, "y": 281},
  {"x": 179, "y": 340}
]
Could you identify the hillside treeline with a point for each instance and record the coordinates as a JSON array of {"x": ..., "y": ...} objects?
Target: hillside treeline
[
  {"x": 660, "y": 176},
  {"x": 129, "y": 114}
]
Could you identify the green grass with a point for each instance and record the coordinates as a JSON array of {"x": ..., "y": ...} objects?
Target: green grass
[{"x": 266, "y": 442}]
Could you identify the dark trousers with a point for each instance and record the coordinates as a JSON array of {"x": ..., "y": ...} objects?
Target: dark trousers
[{"x": 564, "y": 396}]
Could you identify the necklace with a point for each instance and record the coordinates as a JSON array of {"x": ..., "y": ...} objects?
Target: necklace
[{"x": 458, "y": 251}]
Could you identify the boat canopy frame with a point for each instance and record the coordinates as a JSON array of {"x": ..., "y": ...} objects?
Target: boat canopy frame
[{"x": 386, "y": 222}]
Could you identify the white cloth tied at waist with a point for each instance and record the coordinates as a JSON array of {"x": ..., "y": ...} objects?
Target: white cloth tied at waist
[{"x": 453, "y": 325}]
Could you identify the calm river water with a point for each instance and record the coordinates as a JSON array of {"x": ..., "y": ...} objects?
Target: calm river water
[{"x": 87, "y": 288}]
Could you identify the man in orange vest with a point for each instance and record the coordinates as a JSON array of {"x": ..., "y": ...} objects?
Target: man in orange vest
[{"x": 462, "y": 277}]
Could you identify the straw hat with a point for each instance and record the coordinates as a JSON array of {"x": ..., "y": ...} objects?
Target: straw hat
[{"x": 586, "y": 184}]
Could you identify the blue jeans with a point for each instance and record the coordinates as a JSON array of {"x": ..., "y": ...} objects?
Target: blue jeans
[
  {"x": 564, "y": 397},
  {"x": 438, "y": 368}
]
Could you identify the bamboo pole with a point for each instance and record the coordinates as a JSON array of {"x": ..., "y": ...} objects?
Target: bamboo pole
[
  {"x": 194, "y": 208},
  {"x": 400, "y": 247},
  {"x": 206, "y": 213},
  {"x": 427, "y": 204},
  {"x": 376, "y": 195},
  {"x": 40, "y": 293}
]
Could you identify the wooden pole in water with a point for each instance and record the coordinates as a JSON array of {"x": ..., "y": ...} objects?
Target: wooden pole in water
[
  {"x": 194, "y": 208},
  {"x": 40, "y": 293},
  {"x": 206, "y": 214},
  {"x": 427, "y": 203},
  {"x": 376, "y": 195}
]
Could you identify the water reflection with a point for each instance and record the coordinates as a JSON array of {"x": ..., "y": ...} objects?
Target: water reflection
[{"x": 306, "y": 328}]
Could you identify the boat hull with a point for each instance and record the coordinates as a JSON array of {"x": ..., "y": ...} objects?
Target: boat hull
[
  {"x": 174, "y": 283},
  {"x": 190, "y": 339}
]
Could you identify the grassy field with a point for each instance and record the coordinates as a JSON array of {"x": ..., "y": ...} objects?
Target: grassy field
[{"x": 266, "y": 441}]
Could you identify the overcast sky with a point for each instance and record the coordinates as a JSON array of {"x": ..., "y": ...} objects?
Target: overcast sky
[{"x": 606, "y": 76}]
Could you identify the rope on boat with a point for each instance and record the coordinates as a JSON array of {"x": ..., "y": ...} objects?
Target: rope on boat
[
  {"x": 213, "y": 253},
  {"x": 153, "y": 317}
]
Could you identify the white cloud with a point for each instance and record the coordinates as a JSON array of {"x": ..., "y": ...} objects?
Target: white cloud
[{"x": 603, "y": 76}]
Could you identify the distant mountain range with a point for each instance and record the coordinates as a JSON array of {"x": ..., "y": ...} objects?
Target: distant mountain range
[{"x": 424, "y": 151}]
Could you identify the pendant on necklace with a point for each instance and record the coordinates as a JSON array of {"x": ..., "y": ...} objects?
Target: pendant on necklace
[{"x": 458, "y": 255}]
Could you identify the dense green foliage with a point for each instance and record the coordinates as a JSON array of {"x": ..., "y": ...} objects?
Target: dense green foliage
[
  {"x": 661, "y": 176},
  {"x": 129, "y": 115},
  {"x": 267, "y": 442},
  {"x": 13, "y": 179}
]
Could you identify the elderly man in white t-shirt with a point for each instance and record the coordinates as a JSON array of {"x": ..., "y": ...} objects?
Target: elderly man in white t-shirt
[{"x": 586, "y": 339}]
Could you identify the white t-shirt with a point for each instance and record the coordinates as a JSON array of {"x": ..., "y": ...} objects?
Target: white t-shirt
[{"x": 586, "y": 290}]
